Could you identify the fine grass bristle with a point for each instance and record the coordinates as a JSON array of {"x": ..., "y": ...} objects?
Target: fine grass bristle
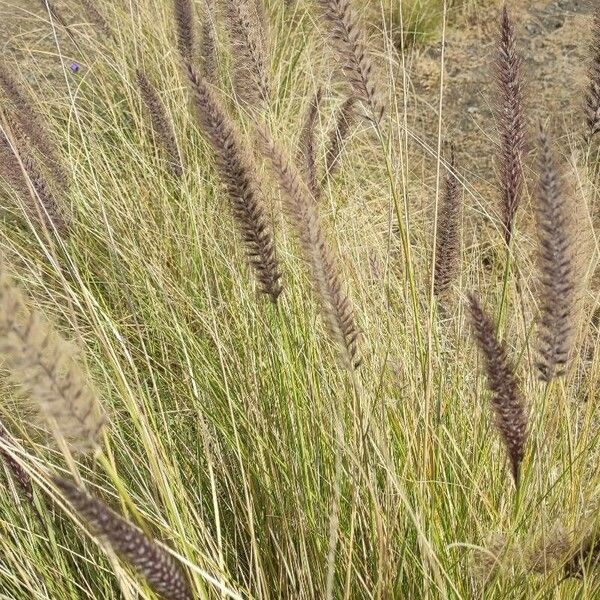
[
  {"x": 507, "y": 402},
  {"x": 238, "y": 173},
  {"x": 557, "y": 264},
  {"x": 326, "y": 280},
  {"x": 43, "y": 365},
  {"x": 447, "y": 250},
  {"x": 185, "y": 28},
  {"x": 511, "y": 122},
  {"x": 161, "y": 123},
  {"x": 347, "y": 41},
  {"x": 164, "y": 576}
]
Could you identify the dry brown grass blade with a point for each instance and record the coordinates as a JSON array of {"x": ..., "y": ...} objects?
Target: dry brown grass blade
[
  {"x": 238, "y": 173},
  {"x": 507, "y": 402},
  {"x": 511, "y": 121},
  {"x": 325, "y": 277},
  {"x": 163, "y": 574},
  {"x": 347, "y": 40},
  {"x": 161, "y": 123},
  {"x": 447, "y": 250},
  {"x": 557, "y": 265}
]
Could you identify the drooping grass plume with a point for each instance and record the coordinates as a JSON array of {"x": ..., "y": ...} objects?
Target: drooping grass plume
[
  {"x": 347, "y": 40},
  {"x": 44, "y": 367},
  {"x": 307, "y": 153},
  {"x": 22, "y": 172},
  {"x": 339, "y": 135},
  {"x": 592, "y": 97},
  {"x": 32, "y": 125},
  {"x": 238, "y": 173},
  {"x": 161, "y": 123},
  {"x": 447, "y": 250},
  {"x": 507, "y": 402},
  {"x": 249, "y": 52},
  {"x": 511, "y": 121},
  {"x": 97, "y": 19},
  {"x": 163, "y": 574},
  {"x": 557, "y": 265},
  {"x": 19, "y": 475},
  {"x": 325, "y": 277},
  {"x": 186, "y": 34}
]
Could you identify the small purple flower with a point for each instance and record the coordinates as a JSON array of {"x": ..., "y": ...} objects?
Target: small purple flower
[{"x": 74, "y": 68}]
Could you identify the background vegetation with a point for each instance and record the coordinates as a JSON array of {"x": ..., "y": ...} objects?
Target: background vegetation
[{"x": 238, "y": 434}]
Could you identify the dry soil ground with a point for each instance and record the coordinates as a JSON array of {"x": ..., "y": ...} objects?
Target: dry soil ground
[{"x": 554, "y": 38}]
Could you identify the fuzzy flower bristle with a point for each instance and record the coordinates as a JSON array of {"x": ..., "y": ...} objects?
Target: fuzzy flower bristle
[
  {"x": 22, "y": 172},
  {"x": 507, "y": 403},
  {"x": 250, "y": 61},
  {"x": 19, "y": 474},
  {"x": 43, "y": 365},
  {"x": 587, "y": 556},
  {"x": 208, "y": 45},
  {"x": 154, "y": 564},
  {"x": 347, "y": 41},
  {"x": 32, "y": 125},
  {"x": 97, "y": 19}
]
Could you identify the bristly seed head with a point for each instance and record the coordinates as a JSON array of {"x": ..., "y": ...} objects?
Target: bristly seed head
[
  {"x": 154, "y": 564},
  {"x": 447, "y": 251},
  {"x": 507, "y": 402},
  {"x": 511, "y": 120},
  {"x": 238, "y": 173},
  {"x": 557, "y": 265}
]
